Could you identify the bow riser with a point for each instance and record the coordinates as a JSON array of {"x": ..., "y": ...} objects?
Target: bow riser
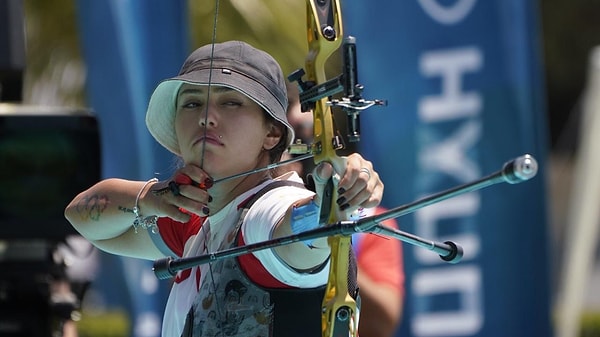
[{"x": 325, "y": 36}]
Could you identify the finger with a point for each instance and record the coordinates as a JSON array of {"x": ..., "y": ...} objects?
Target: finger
[
  {"x": 363, "y": 199},
  {"x": 182, "y": 179},
  {"x": 191, "y": 195},
  {"x": 194, "y": 193},
  {"x": 198, "y": 207},
  {"x": 321, "y": 176},
  {"x": 165, "y": 204},
  {"x": 357, "y": 173},
  {"x": 177, "y": 214},
  {"x": 366, "y": 192},
  {"x": 323, "y": 172},
  {"x": 354, "y": 186},
  {"x": 340, "y": 165},
  {"x": 193, "y": 175},
  {"x": 190, "y": 198},
  {"x": 375, "y": 197},
  {"x": 174, "y": 188},
  {"x": 182, "y": 192}
]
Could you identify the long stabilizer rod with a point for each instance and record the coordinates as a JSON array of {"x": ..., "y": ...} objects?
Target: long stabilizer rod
[{"x": 515, "y": 171}]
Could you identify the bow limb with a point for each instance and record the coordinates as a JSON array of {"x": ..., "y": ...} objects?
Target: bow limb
[{"x": 325, "y": 35}]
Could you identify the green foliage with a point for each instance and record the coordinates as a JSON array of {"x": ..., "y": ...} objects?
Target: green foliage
[
  {"x": 104, "y": 324},
  {"x": 569, "y": 32},
  {"x": 276, "y": 26},
  {"x": 590, "y": 324},
  {"x": 54, "y": 73}
]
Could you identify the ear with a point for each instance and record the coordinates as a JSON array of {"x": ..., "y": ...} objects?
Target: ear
[{"x": 274, "y": 134}]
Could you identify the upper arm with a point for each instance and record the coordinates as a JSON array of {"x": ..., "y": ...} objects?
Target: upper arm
[
  {"x": 268, "y": 218},
  {"x": 299, "y": 255}
]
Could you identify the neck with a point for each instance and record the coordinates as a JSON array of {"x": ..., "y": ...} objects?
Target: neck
[{"x": 224, "y": 192}]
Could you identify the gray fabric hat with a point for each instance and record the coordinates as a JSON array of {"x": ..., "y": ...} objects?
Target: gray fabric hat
[{"x": 235, "y": 65}]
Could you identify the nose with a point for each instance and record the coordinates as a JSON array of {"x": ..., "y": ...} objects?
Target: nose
[
  {"x": 208, "y": 116},
  {"x": 205, "y": 122}
]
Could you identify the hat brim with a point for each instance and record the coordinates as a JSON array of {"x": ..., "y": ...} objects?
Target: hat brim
[{"x": 160, "y": 116}]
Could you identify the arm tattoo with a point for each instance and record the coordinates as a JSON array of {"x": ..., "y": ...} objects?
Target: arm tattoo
[
  {"x": 161, "y": 191},
  {"x": 91, "y": 207},
  {"x": 125, "y": 209}
]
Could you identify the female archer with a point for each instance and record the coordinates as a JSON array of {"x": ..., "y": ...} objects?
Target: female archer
[{"x": 225, "y": 114}]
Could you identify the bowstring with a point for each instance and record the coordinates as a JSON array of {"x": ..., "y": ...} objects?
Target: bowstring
[
  {"x": 208, "y": 234},
  {"x": 212, "y": 53}
]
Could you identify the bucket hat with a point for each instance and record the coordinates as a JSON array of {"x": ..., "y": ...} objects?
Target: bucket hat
[{"x": 233, "y": 64}]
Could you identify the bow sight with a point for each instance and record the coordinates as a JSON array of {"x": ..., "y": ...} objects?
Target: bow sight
[{"x": 352, "y": 103}]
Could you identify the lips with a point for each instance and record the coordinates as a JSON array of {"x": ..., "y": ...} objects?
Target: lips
[{"x": 209, "y": 138}]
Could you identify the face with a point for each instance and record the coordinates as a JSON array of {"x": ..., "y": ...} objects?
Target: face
[{"x": 223, "y": 131}]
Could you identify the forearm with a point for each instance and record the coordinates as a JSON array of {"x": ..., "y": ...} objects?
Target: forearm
[{"x": 105, "y": 210}]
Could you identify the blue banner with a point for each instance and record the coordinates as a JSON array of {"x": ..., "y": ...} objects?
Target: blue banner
[
  {"x": 128, "y": 47},
  {"x": 463, "y": 81}
]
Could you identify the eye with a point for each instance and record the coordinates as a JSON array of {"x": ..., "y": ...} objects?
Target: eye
[
  {"x": 232, "y": 102},
  {"x": 191, "y": 103},
  {"x": 232, "y": 99}
]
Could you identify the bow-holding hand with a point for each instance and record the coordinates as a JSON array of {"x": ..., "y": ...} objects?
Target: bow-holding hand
[{"x": 358, "y": 185}]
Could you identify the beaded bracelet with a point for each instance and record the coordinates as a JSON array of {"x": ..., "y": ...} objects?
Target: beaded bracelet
[{"x": 148, "y": 222}]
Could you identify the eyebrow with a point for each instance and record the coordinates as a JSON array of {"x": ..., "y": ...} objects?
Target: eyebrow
[{"x": 201, "y": 90}]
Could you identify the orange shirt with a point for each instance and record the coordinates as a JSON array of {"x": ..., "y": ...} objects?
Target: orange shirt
[{"x": 380, "y": 256}]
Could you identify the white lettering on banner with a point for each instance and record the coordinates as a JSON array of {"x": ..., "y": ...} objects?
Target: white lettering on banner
[
  {"x": 427, "y": 221},
  {"x": 465, "y": 281},
  {"x": 449, "y": 156},
  {"x": 447, "y": 15},
  {"x": 450, "y": 66},
  {"x": 447, "y": 300}
]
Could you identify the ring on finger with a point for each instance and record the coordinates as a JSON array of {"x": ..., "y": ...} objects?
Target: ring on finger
[{"x": 367, "y": 171}]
